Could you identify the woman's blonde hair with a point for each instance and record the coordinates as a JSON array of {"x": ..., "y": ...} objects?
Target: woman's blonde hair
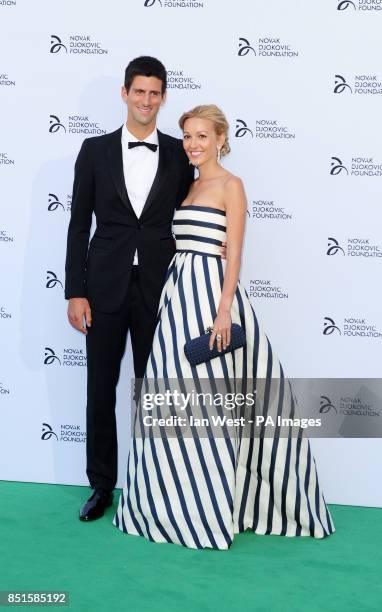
[{"x": 214, "y": 114}]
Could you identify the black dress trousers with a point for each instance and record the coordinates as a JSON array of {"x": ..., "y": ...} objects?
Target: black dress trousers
[{"x": 105, "y": 344}]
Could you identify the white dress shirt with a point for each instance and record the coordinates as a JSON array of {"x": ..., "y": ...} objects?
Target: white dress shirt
[{"x": 139, "y": 168}]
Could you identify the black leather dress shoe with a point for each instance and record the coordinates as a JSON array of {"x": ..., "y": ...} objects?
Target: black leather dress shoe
[{"x": 95, "y": 507}]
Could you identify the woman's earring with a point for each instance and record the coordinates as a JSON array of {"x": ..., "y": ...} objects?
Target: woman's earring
[{"x": 219, "y": 154}]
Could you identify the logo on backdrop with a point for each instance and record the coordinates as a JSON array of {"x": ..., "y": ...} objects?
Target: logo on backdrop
[
  {"x": 178, "y": 79},
  {"x": 350, "y": 405},
  {"x": 56, "y": 44},
  {"x": 69, "y": 357},
  {"x": 245, "y": 47},
  {"x": 54, "y": 203},
  {"x": 55, "y": 124},
  {"x": 242, "y": 129},
  {"x": 4, "y": 390},
  {"x": 352, "y": 327},
  {"x": 361, "y": 84},
  {"x": 47, "y": 432},
  {"x": 340, "y": 85},
  {"x": 265, "y": 47},
  {"x": 326, "y": 405},
  {"x": 5, "y": 160},
  {"x": 268, "y": 209},
  {"x": 330, "y": 327},
  {"x": 68, "y": 432},
  {"x": 75, "y": 124},
  {"x": 344, "y": 4},
  {"x": 4, "y": 314},
  {"x": 173, "y": 3},
  {"x": 76, "y": 44},
  {"x": 360, "y": 5},
  {"x": 5, "y": 236},
  {"x": 355, "y": 247},
  {"x": 334, "y": 247},
  {"x": 50, "y": 357},
  {"x": 337, "y": 166},
  {"x": 264, "y": 129},
  {"x": 52, "y": 280},
  {"x": 360, "y": 166},
  {"x": 5, "y": 81},
  {"x": 7, "y": 2},
  {"x": 266, "y": 289}
]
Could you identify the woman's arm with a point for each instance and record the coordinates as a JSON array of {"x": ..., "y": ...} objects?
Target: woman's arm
[{"x": 236, "y": 206}]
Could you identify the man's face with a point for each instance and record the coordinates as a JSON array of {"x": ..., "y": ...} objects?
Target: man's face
[{"x": 143, "y": 100}]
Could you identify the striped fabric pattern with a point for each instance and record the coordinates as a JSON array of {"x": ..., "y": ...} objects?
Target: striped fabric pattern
[{"x": 199, "y": 492}]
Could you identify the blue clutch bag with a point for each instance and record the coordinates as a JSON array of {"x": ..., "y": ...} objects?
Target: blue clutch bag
[{"x": 198, "y": 351}]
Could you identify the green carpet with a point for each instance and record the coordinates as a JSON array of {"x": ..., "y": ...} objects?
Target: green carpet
[{"x": 45, "y": 547}]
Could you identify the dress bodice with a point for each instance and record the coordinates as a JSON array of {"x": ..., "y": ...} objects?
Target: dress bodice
[{"x": 199, "y": 229}]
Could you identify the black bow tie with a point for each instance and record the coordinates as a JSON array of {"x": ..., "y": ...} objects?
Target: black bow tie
[{"x": 140, "y": 143}]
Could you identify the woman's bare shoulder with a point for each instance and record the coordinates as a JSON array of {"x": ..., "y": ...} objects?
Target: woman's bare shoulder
[
  {"x": 234, "y": 194},
  {"x": 232, "y": 180},
  {"x": 233, "y": 185}
]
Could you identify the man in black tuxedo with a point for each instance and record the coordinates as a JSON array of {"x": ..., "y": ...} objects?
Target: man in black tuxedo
[{"x": 132, "y": 180}]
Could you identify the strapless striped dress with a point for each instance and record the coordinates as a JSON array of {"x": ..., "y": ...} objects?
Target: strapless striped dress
[{"x": 199, "y": 491}]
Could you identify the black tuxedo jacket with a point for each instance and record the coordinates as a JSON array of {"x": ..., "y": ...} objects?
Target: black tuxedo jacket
[{"x": 101, "y": 271}]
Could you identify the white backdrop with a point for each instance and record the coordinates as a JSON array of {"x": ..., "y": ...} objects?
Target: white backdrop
[{"x": 300, "y": 83}]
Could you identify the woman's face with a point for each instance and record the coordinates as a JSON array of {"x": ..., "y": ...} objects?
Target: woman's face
[{"x": 200, "y": 140}]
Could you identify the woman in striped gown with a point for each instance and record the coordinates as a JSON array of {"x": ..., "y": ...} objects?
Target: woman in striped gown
[{"x": 189, "y": 488}]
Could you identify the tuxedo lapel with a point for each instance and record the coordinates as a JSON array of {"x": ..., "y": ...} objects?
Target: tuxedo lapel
[
  {"x": 162, "y": 171},
  {"x": 114, "y": 153}
]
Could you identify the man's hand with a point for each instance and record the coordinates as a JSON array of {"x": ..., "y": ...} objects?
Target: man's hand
[
  {"x": 224, "y": 250},
  {"x": 78, "y": 309}
]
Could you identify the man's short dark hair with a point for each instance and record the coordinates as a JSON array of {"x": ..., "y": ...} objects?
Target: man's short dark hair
[{"x": 145, "y": 66}]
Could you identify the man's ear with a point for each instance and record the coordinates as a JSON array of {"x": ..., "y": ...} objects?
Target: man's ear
[
  {"x": 164, "y": 98},
  {"x": 123, "y": 93}
]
